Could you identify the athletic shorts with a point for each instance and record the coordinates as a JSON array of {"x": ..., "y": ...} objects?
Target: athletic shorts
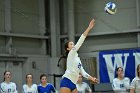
[{"x": 65, "y": 82}]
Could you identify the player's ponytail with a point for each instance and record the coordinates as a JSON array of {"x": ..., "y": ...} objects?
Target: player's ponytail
[
  {"x": 62, "y": 57},
  {"x": 65, "y": 54},
  {"x": 138, "y": 67},
  {"x": 66, "y": 46}
]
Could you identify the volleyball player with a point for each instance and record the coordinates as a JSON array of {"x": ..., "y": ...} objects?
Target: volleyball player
[
  {"x": 74, "y": 66},
  {"x": 45, "y": 87},
  {"x": 135, "y": 84},
  {"x": 7, "y": 86},
  {"x": 81, "y": 86},
  {"x": 121, "y": 84},
  {"x": 29, "y": 87}
]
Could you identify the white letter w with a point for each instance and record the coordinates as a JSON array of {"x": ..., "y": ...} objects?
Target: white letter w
[{"x": 118, "y": 62}]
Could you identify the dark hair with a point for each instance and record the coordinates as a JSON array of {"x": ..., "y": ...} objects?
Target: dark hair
[
  {"x": 43, "y": 75},
  {"x": 117, "y": 71},
  {"x": 66, "y": 52},
  {"x": 118, "y": 68},
  {"x": 138, "y": 70},
  {"x": 27, "y": 76},
  {"x": 5, "y": 73},
  {"x": 66, "y": 46}
]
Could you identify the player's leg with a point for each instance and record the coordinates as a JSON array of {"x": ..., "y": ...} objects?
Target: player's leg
[
  {"x": 67, "y": 86},
  {"x": 64, "y": 86},
  {"x": 65, "y": 90}
]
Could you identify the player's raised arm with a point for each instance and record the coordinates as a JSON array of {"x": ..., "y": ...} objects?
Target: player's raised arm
[
  {"x": 91, "y": 25},
  {"x": 84, "y": 35}
]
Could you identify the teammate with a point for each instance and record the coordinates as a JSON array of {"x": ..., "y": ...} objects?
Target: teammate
[
  {"x": 7, "y": 86},
  {"x": 121, "y": 84},
  {"x": 45, "y": 87},
  {"x": 135, "y": 84},
  {"x": 81, "y": 86},
  {"x": 74, "y": 66},
  {"x": 29, "y": 87}
]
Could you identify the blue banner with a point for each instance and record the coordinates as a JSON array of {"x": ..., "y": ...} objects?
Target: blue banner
[{"x": 110, "y": 60}]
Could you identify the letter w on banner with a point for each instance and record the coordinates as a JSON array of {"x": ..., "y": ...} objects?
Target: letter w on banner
[{"x": 110, "y": 60}]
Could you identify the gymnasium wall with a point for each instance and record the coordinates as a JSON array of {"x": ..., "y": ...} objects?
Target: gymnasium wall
[
  {"x": 25, "y": 15},
  {"x": 1, "y": 16},
  {"x": 125, "y": 19},
  {"x": 22, "y": 49},
  {"x": 111, "y": 31},
  {"x": 27, "y": 46}
]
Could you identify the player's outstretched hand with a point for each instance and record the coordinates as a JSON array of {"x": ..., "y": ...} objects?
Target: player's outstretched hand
[
  {"x": 91, "y": 24},
  {"x": 94, "y": 80}
]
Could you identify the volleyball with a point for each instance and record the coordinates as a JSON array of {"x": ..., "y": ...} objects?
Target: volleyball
[{"x": 110, "y": 8}]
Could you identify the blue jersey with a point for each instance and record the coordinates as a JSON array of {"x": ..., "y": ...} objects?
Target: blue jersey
[{"x": 47, "y": 89}]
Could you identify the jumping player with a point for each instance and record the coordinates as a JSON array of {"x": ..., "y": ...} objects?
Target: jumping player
[{"x": 74, "y": 66}]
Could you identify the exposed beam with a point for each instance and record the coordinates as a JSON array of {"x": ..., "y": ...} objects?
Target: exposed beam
[
  {"x": 138, "y": 12},
  {"x": 42, "y": 25},
  {"x": 106, "y": 33},
  {"x": 23, "y": 35},
  {"x": 138, "y": 39},
  {"x": 71, "y": 25}
]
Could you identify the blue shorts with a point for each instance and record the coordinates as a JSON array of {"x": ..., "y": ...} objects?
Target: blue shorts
[{"x": 65, "y": 82}]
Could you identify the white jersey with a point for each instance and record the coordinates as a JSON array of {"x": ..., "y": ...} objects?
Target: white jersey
[
  {"x": 135, "y": 84},
  {"x": 32, "y": 89},
  {"x": 82, "y": 88},
  {"x": 74, "y": 66},
  {"x": 8, "y": 87},
  {"x": 121, "y": 86}
]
